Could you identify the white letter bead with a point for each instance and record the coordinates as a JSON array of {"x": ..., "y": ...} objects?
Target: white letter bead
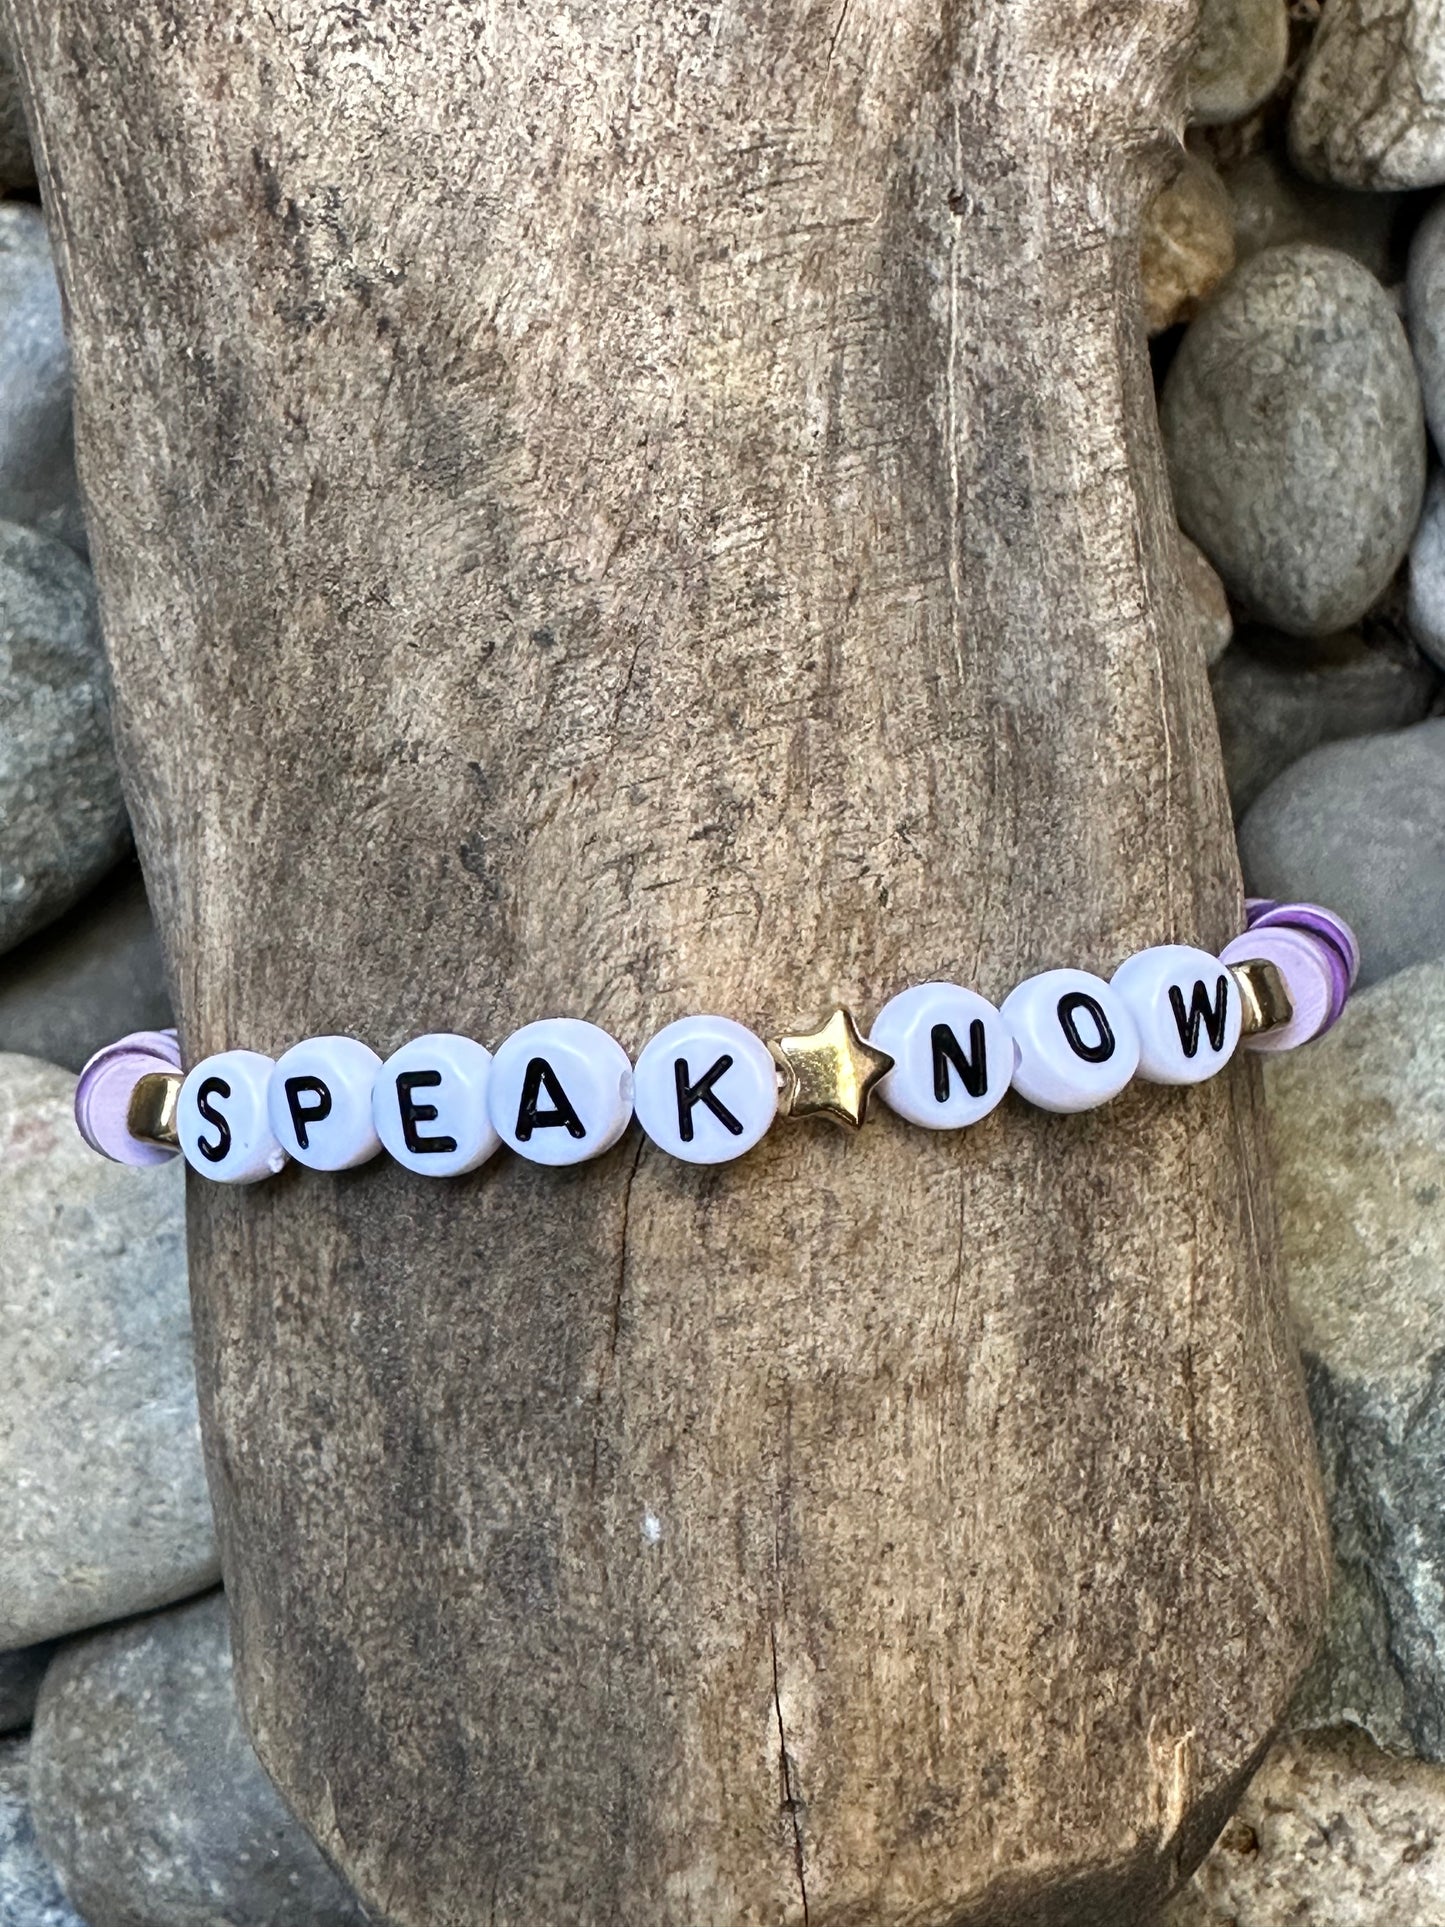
[
  {"x": 1077, "y": 1045},
  {"x": 953, "y": 1055},
  {"x": 1186, "y": 1010},
  {"x": 706, "y": 1090},
  {"x": 320, "y": 1102},
  {"x": 429, "y": 1105},
  {"x": 222, "y": 1121},
  {"x": 560, "y": 1091}
]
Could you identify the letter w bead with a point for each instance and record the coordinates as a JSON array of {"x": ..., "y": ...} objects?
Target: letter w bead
[{"x": 1213, "y": 1015}]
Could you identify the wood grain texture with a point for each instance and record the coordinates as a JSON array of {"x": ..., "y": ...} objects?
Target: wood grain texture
[{"x": 619, "y": 509}]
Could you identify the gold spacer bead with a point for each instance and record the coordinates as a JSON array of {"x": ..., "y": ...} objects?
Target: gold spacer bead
[
  {"x": 829, "y": 1072},
  {"x": 1263, "y": 995},
  {"x": 151, "y": 1114}
]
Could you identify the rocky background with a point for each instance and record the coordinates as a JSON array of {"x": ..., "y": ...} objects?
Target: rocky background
[{"x": 1294, "y": 294}]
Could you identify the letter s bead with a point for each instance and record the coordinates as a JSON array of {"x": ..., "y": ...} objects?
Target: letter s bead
[{"x": 222, "y": 1120}]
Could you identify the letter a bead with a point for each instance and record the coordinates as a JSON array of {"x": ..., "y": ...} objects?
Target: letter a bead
[
  {"x": 429, "y": 1105},
  {"x": 1077, "y": 1045},
  {"x": 320, "y": 1102},
  {"x": 953, "y": 1055},
  {"x": 1186, "y": 1009},
  {"x": 560, "y": 1091},
  {"x": 706, "y": 1089},
  {"x": 222, "y": 1119}
]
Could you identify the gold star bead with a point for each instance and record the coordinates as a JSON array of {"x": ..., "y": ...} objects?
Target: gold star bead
[{"x": 829, "y": 1072}]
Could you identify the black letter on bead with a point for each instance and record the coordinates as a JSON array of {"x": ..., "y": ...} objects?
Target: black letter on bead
[
  {"x": 1103, "y": 1050},
  {"x": 702, "y": 1092},
  {"x": 541, "y": 1076},
  {"x": 301, "y": 1117},
  {"x": 414, "y": 1114},
  {"x": 946, "y": 1050},
  {"x": 1200, "y": 1009},
  {"x": 213, "y": 1087}
]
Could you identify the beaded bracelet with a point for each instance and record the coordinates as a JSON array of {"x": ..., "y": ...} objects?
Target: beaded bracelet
[{"x": 706, "y": 1089}]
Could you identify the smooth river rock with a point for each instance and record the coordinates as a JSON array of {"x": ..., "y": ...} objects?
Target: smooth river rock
[
  {"x": 1276, "y": 698},
  {"x": 103, "y": 1503},
  {"x": 1206, "y": 604},
  {"x": 91, "y": 977},
  {"x": 1332, "y": 1833},
  {"x": 1357, "y": 1132},
  {"x": 62, "y": 818},
  {"x": 1187, "y": 244},
  {"x": 1238, "y": 58},
  {"x": 30, "y": 1894},
  {"x": 38, "y": 485},
  {"x": 1425, "y": 606},
  {"x": 1273, "y": 206},
  {"x": 1360, "y": 826},
  {"x": 1369, "y": 110},
  {"x": 1295, "y": 438},
  {"x": 148, "y": 1797},
  {"x": 1425, "y": 313},
  {"x": 20, "y": 1677}
]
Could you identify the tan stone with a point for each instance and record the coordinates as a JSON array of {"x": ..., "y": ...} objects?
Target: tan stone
[{"x": 1187, "y": 246}]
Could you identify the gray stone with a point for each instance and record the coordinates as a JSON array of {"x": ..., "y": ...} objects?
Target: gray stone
[
  {"x": 62, "y": 818},
  {"x": 1425, "y": 313},
  {"x": 103, "y": 1503},
  {"x": 87, "y": 979},
  {"x": 1274, "y": 207},
  {"x": 17, "y": 167},
  {"x": 1238, "y": 60},
  {"x": 30, "y": 1894},
  {"x": 38, "y": 485},
  {"x": 1360, "y": 826},
  {"x": 20, "y": 1677},
  {"x": 1276, "y": 698},
  {"x": 1293, "y": 428},
  {"x": 1206, "y": 605},
  {"x": 147, "y": 1795},
  {"x": 1357, "y": 1128},
  {"x": 1425, "y": 607},
  {"x": 1331, "y": 1833},
  {"x": 1369, "y": 110}
]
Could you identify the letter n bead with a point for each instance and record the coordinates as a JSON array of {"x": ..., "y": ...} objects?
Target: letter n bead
[
  {"x": 320, "y": 1102},
  {"x": 953, "y": 1055},
  {"x": 560, "y": 1091},
  {"x": 706, "y": 1090},
  {"x": 222, "y": 1118},
  {"x": 1077, "y": 1045},
  {"x": 429, "y": 1105},
  {"x": 1186, "y": 1009}
]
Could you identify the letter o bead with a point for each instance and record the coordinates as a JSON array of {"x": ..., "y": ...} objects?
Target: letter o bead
[
  {"x": 953, "y": 1055},
  {"x": 222, "y": 1119},
  {"x": 1077, "y": 1045},
  {"x": 1186, "y": 1010},
  {"x": 429, "y": 1105},
  {"x": 706, "y": 1090},
  {"x": 320, "y": 1102},
  {"x": 560, "y": 1091}
]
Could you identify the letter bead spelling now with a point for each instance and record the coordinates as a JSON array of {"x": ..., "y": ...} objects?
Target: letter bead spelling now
[
  {"x": 1077, "y": 1045},
  {"x": 1186, "y": 1009},
  {"x": 222, "y": 1120},
  {"x": 706, "y": 1090},
  {"x": 320, "y": 1102},
  {"x": 429, "y": 1105},
  {"x": 560, "y": 1091},
  {"x": 953, "y": 1056}
]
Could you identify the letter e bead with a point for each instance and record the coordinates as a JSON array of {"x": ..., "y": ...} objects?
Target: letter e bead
[
  {"x": 222, "y": 1121},
  {"x": 706, "y": 1089},
  {"x": 1186, "y": 1010},
  {"x": 560, "y": 1091},
  {"x": 953, "y": 1055},
  {"x": 320, "y": 1102},
  {"x": 429, "y": 1105},
  {"x": 1077, "y": 1045}
]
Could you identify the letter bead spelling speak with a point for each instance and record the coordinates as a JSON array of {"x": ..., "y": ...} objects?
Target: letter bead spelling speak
[{"x": 706, "y": 1089}]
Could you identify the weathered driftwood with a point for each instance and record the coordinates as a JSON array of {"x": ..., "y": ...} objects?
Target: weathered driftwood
[{"x": 624, "y": 508}]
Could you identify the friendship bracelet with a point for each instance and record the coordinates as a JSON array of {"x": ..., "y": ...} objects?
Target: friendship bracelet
[{"x": 706, "y": 1089}]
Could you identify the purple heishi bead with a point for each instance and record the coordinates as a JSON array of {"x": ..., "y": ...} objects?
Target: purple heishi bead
[{"x": 103, "y": 1094}]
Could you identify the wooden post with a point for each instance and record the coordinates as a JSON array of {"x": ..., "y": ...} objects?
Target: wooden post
[{"x": 619, "y": 509}]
